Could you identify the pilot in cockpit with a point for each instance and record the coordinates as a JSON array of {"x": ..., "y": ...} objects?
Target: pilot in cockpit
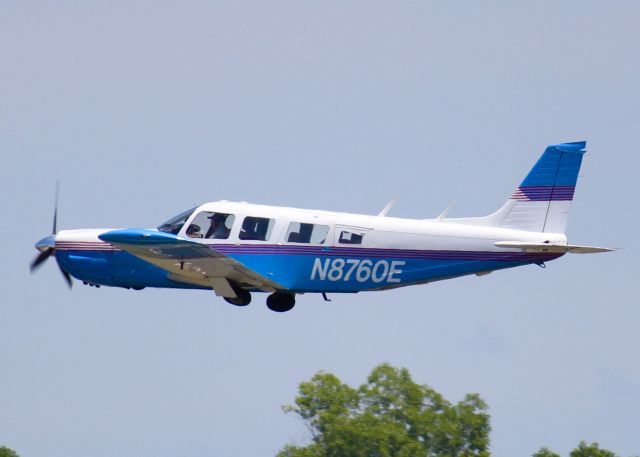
[
  {"x": 193, "y": 231},
  {"x": 218, "y": 228}
]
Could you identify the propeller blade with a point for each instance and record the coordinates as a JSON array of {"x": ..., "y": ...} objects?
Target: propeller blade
[
  {"x": 66, "y": 276},
  {"x": 47, "y": 245},
  {"x": 44, "y": 255},
  {"x": 55, "y": 209}
]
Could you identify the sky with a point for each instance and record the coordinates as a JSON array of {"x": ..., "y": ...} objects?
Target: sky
[{"x": 142, "y": 109}]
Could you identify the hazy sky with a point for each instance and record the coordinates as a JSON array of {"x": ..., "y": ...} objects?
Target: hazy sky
[{"x": 143, "y": 109}]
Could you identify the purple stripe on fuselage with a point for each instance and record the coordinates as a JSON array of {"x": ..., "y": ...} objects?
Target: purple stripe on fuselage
[
  {"x": 254, "y": 249},
  {"x": 335, "y": 251}
]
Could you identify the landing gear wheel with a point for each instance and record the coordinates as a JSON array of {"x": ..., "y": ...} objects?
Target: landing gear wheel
[
  {"x": 281, "y": 302},
  {"x": 243, "y": 297}
]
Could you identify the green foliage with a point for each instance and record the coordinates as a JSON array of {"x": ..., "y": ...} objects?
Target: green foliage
[
  {"x": 590, "y": 450},
  {"x": 392, "y": 416},
  {"x": 583, "y": 450},
  {"x": 6, "y": 452},
  {"x": 545, "y": 452},
  {"x": 388, "y": 416}
]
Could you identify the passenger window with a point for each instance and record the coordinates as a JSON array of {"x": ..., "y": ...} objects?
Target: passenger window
[
  {"x": 211, "y": 225},
  {"x": 347, "y": 237},
  {"x": 256, "y": 228},
  {"x": 299, "y": 232}
]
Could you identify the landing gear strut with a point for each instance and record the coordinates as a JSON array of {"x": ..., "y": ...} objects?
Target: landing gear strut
[
  {"x": 281, "y": 301},
  {"x": 243, "y": 297}
]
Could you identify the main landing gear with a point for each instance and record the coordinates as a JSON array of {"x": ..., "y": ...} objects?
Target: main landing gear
[
  {"x": 281, "y": 301},
  {"x": 243, "y": 297},
  {"x": 277, "y": 301}
]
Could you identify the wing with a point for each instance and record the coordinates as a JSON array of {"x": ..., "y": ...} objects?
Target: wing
[
  {"x": 546, "y": 247},
  {"x": 189, "y": 261}
]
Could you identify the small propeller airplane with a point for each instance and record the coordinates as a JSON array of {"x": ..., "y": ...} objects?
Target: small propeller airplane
[{"x": 235, "y": 249}]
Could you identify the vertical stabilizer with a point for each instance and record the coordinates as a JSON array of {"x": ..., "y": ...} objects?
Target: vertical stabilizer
[{"x": 542, "y": 201}]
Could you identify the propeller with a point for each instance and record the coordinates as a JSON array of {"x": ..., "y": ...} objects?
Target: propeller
[
  {"x": 47, "y": 245},
  {"x": 42, "y": 257}
]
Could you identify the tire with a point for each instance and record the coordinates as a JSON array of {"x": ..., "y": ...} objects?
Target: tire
[
  {"x": 243, "y": 297},
  {"x": 281, "y": 302}
]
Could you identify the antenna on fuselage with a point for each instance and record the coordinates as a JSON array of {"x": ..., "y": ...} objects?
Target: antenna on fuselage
[
  {"x": 386, "y": 209},
  {"x": 444, "y": 212}
]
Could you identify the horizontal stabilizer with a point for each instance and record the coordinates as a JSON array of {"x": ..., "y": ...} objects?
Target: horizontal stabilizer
[{"x": 546, "y": 247}]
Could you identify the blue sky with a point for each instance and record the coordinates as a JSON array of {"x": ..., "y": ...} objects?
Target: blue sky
[{"x": 143, "y": 109}]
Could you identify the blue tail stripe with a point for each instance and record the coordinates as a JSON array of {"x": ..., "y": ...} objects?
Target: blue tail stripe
[
  {"x": 558, "y": 166},
  {"x": 569, "y": 168}
]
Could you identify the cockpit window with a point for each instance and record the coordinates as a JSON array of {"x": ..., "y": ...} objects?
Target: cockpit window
[
  {"x": 256, "y": 228},
  {"x": 299, "y": 232},
  {"x": 211, "y": 225},
  {"x": 348, "y": 237},
  {"x": 174, "y": 224}
]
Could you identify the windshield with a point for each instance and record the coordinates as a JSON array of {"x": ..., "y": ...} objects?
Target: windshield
[{"x": 174, "y": 224}]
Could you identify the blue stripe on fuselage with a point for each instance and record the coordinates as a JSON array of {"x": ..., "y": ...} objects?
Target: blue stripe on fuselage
[
  {"x": 116, "y": 268},
  {"x": 355, "y": 269},
  {"x": 304, "y": 268}
]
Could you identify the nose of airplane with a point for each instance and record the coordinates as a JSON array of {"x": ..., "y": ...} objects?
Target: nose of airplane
[
  {"x": 47, "y": 248},
  {"x": 48, "y": 242}
]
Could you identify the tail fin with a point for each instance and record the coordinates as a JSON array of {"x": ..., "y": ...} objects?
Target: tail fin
[{"x": 542, "y": 201}]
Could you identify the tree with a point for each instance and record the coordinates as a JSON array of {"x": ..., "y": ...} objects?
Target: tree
[
  {"x": 6, "y": 452},
  {"x": 590, "y": 450},
  {"x": 389, "y": 415},
  {"x": 583, "y": 450},
  {"x": 545, "y": 452}
]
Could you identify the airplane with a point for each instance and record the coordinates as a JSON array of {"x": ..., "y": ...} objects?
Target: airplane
[{"x": 237, "y": 248}]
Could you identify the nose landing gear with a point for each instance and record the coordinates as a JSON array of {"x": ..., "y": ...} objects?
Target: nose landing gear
[{"x": 281, "y": 302}]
